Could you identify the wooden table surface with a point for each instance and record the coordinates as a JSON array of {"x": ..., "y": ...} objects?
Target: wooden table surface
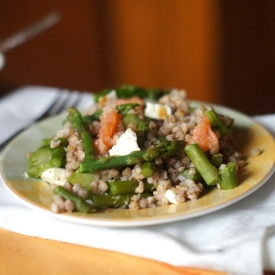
[{"x": 22, "y": 254}]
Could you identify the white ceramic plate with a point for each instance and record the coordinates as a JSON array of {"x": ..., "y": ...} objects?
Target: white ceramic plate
[{"x": 38, "y": 194}]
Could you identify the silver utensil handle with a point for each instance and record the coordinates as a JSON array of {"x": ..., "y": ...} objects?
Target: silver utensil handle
[{"x": 29, "y": 32}]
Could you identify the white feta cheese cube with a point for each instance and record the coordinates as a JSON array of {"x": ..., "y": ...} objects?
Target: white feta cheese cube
[
  {"x": 126, "y": 144},
  {"x": 157, "y": 111},
  {"x": 56, "y": 176}
]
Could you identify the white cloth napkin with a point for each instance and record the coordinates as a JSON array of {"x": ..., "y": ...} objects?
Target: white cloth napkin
[{"x": 239, "y": 239}]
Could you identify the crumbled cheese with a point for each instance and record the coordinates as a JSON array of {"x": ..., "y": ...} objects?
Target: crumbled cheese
[
  {"x": 56, "y": 176},
  {"x": 110, "y": 98},
  {"x": 157, "y": 111},
  {"x": 126, "y": 144},
  {"x": 170, "y": 196}
]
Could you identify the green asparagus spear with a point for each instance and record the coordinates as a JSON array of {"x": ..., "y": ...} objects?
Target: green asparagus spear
[
  {"x": 120, "y": 187},
  {"x": 45, "y": 158},
  {"x": 80, "y": 204},
  {"x": 83, "y": 128},
  {"x": 163, "y": 149},
  {"x": 85, "y": 179},
  {"x": 208, "y": 171},
  {"x": 148, "y": 169},
  {"x": 58, "y": 158},
  {"x": 117, "y": 187},
  {"x": 228, "y": 173},
  {"x": 108, "y": 200},
  {"x": 93, "y": 117},
  {"x": 216, "y": 122},
  {"x": 41, "y": 155}
]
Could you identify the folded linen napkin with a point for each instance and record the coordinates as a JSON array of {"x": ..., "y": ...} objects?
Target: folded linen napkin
[{"x": 239, "y": 239}]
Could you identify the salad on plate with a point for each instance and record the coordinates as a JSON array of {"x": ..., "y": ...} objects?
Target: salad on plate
[{"x": 137, "y": 148}]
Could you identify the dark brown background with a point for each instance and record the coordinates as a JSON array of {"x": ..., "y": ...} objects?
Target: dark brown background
[{"x": 219, "y": 51}]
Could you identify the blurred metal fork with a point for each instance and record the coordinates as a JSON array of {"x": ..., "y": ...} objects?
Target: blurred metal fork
[{"x": 64, "y": 100}]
